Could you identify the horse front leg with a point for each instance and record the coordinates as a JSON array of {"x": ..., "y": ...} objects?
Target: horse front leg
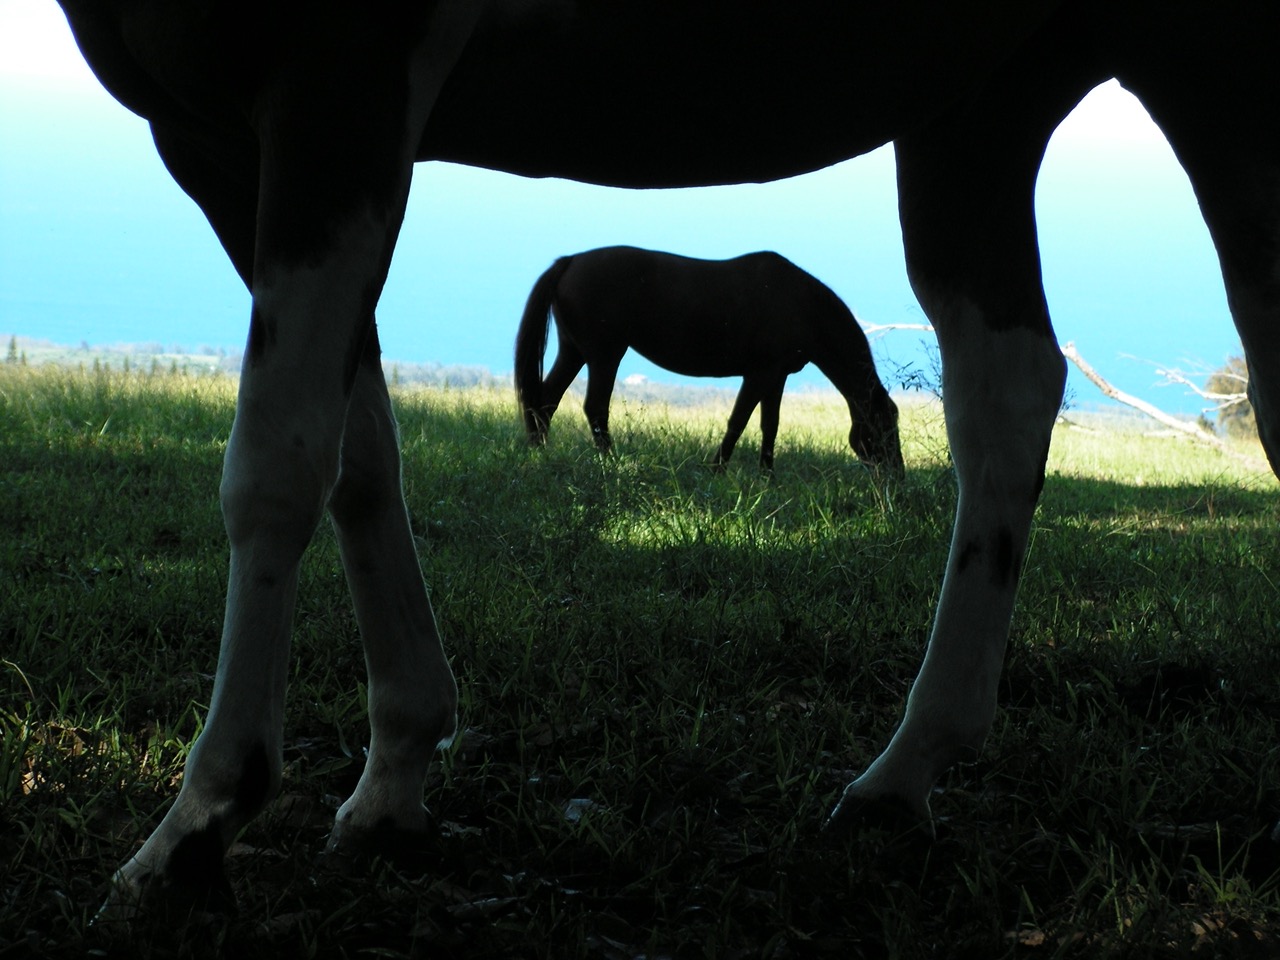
[
  {"x": 966, "y": 192},
  {"x": 328, "y": 213},
  {"x": 601, "y": 374},
  {"x": 280, "y": 465},
  {"x": 412, "y": 694},
  {"x": 1003, "y": 389}
]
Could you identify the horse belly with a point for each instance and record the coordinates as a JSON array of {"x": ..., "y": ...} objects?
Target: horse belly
[
  {"x": 721, "y": 344},
  {"x": 640, "y": 94},
  {"x": 696, "y": 353}
]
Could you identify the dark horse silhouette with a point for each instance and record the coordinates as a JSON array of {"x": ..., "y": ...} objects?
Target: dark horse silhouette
[
  {"x": 758, "y": 316},
  {"x": 295, "y": 128}
]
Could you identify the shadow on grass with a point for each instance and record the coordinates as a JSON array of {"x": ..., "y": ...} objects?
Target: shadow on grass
[{"x": 668, "y": 675}]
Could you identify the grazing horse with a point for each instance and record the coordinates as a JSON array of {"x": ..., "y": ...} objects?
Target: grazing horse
[
  {"x": 759, "y": 316},
  {"x": 295, "y": 128}
]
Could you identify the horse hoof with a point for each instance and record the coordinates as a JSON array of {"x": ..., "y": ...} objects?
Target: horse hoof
[
  {"x": 890, "y": 816},
  {"x": 174, "y": 900},
  {"x": 351, "y": 849}
]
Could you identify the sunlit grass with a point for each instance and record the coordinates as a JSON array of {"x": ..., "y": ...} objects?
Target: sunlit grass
[
  {"x": 1138, "y": 451},
  {"x": 667, "y": 676}
]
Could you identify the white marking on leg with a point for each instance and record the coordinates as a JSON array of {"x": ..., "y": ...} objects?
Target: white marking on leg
[
  {"x": 1002, "y": 391},
  {"x": 412, "y": 693},
  {"x": 280, "y": 465}
]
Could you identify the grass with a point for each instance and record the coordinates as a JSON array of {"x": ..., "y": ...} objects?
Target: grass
[{"x": 667, "y": 677}]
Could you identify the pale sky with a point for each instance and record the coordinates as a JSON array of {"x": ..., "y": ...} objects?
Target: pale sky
[{"x": 36, "y": 42}]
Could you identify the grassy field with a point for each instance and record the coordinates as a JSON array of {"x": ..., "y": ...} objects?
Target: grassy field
[{"x": 667, "y": 677}]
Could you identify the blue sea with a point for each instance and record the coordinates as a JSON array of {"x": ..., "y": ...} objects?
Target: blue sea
[{"x": 98, "y": 245}]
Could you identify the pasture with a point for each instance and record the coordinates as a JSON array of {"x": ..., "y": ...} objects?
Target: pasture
[{"x": 667, "y": 677}]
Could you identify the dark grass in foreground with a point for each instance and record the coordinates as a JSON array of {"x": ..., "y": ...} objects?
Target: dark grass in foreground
[{"x": 667, "y": 677}]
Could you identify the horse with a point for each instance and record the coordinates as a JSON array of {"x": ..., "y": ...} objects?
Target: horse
[
  {"x": 295, "y": 130},
  {"x": 758, "y": 315}
]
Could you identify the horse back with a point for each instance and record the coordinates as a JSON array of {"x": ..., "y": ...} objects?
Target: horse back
[{"x": 697, "y": 317}]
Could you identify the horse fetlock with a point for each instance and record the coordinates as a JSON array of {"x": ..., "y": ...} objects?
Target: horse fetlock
[
  {"x": 892, "y": 794},
  {"x": 902, "y": 777},
  {"x": 537, "y": 424},
  {"x": 179, "y": 872},
  {"x": 604, "y": 443},
  {"x": 866, "y": 808},
  {"x": 184, "y": 881},
  {"x": 359, "y": 836},
  {"x": 448, "y": 727},
  {"x": 887, "y": 784},
  {"x": 415, "y": 714}
]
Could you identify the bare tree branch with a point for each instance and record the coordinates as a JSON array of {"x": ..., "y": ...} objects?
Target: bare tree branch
[
  {"x": 1191, "y": 429},
  {"x": 881, "y": 327},
  {"x": 1224, "y": 400}
]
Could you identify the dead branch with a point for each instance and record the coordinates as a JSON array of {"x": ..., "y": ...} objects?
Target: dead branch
[
  {"x": 1186, "y": 427},
  {"x": 1222, "y": 401},
  {"x": 881, "y": 327}
]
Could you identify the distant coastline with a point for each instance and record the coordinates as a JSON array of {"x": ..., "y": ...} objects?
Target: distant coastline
[{"x": 205, "y": 360}]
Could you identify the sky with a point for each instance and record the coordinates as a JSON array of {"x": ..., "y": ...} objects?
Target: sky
[{"x": 97, "y": 244}]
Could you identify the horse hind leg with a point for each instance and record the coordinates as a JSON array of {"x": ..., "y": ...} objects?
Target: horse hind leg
[
  {"x": 569, "y": 362},
  {"x": 317, "y": 266},
  {"x": 770, "y": 406},
  {"x": 744, "y": 405},
  {"x": 412, "y": 694}
]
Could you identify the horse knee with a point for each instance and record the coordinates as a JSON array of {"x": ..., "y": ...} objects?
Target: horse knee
[
  {"x": 282, "y": 514},
  {"x": 275, "y": 487}
]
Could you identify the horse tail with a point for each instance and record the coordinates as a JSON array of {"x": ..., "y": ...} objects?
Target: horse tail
[{"x": 531, "y": 347}]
